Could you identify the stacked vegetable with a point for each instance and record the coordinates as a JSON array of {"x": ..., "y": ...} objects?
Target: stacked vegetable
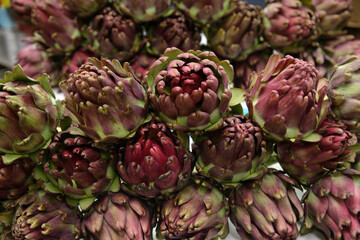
[{"x": 113, "y": 160}]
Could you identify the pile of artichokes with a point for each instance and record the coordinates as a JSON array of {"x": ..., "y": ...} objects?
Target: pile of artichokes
[{"x": 151, "y": 133}]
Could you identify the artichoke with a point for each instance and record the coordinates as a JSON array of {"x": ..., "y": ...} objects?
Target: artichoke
[
  {"x": 344, "y": 91},
  {"x": 287, "y": 99},
  {"x": 144, "y": 11},
  {"x": 155, "y": 162},
  {"x": 199, "y": 211},
  {"x": 78, "y": 169},
  {"x": 232, "y": 153},
  {"x": 141, "y": 63},
  {"x": 106, "y": 100},
  {"x": 173, "y": 31},
  {"x": 289, "y": 25},
  {"x": 29, "y": 115},
  {"x": 85, "y": 8},
  {"x": 118, "y": 216},
  {"x": 333, "y": 15},
  {"x": 56, "y": 27},
  {"x": 22, "y": 12},
  {"x": 237, "y": 35},
  {"x": 73, "y": 63},
  {"x": 342, "y": 47},
  {"x": 267, "y": 208},
  {"x": 308, "y": 161},
  {"x": 42, "y": 216},
  {"x": 332, "y": 206},
  {"x": 189, "y": 91},
  {"x": 112, "y": 35},
  {"x": 204, "y": 12}
]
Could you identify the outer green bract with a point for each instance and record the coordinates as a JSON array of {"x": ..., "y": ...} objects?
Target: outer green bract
[
  {"x": 199, "y": 211},
  {"x": 190, "y": 91},
  {"x": 287, "y": 99},
  {"x": 267, "y": 208},
  {"x": 85, "y": 8},
  {"x": 106, "y": 100},
  {"x": 29, "y": 114}
]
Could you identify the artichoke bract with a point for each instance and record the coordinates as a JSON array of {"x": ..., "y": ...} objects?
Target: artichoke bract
[
  {"x": 42, "y": 216},
  {"x": 112, "y": 35},
  {"x": 199, "y": 211},
  {"x": 308, "y": 161},
  {"x": 155, "y": 162},
  {"x": 237, "y": 35},
  {"x": 332, "y": 206},
  {"x": 173, "y": 31},
  {"x": 267, "y": 208},
  {"x": 106, "y": 100},
  {"x": 29, "y": 115},
  {"x": 56, "y": 27},
  {"x": 85, "y": 8},
  {"x": 232, "y": 153},
  {"x": 344, "y": 92},
  {"x": 144, "y": 11},
  {"x": 289, "y": 25},
  {"x": 190, "y": 90},
  {"x": 287, "y": 99},
  {"x": 78, "y": 169},
  {"x": 342, "y": 47},
  {"x": 118, "y": 216}
]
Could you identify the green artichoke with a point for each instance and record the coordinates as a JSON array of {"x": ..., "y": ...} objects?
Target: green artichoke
[
  {"x": 267, "y": 208},
  {"x": 144, "y": 11},
  {"x": 199, "y": 211},
  {"x": 106, "y": 100},
  {"x": 155, "y": 162},
  {"x": 173, "y": 31},
  {"x": 118, "y": 216},
  {"x": 287, "y": 99},
  {"x": 29, "y": 115},
  {"x": 237, "y": 35},
  {"x": 332, "y": 206},
  {"x": 344, "y": 92},
  {"x": 190, "y": 91},
  {"x": 232, "y": 153},
  {"x": 85, "y": 8},
  {"x": 308, "y": 161},
  {"x": 42, "y": 216}
]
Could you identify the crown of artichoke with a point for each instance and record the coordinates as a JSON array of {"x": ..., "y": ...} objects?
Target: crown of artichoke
[
  {"x": 190, "y": 91},
  {"x": 85, "y": 8},
  {"x": 106, "y": 100},
  {"x": 308, "y": 161},
  {"x": 118, "y": 216},
  {"x": 342, "y": 47},
  {"x": 199, "y": 211},
  {"x": 42, "y": 216},
  {"x": 144, "y": 11},
  {"x": 267, "y": 208},
  {"x": 29, "y": 114},
  {"x": 332, "y": 206},
  {"x": 112, "y": 35},
  {"x": 155, "y": 162},
  {"x": 232, "y": 153},
  {"x": 173, "y": 31},
  {"x": 237, "y": 35},
  {"x": 287, "y": 99},
  {"x": 289, "y": 25}
]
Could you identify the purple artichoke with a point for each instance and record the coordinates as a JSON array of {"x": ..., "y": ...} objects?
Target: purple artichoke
[
  {"x": 56, "y": 27},
  {"x": 144, "y": 11},
  {"x": 287, "y": 99},
  {"x": 173, "y": 31},
  {"x": 232, "y": 153},
  {"x": 308, "y": 161},
  {"x": 73, "y": 63},
  {"x": 22, "y": 11},
  {"x": 118, "y": 216},
  {"x": 141, "y": 63},
  {"x": 199, "y": 211},
  {"x": 267, "y": 208},
  {"x": 85, "y": 8},
  {"x": 237, "y": 35},
  {"x": 332, "y": 206},
  {"x": 190, "y": 91},
  {"x": 106, "y": 100},
  {"x": 155, "y": 162},
  {"x": 289, "y": 25},
  {"x": 42, "y": 216},
  {"x": 342, "y": 47},
  {"x": 112, "y": 35}
]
